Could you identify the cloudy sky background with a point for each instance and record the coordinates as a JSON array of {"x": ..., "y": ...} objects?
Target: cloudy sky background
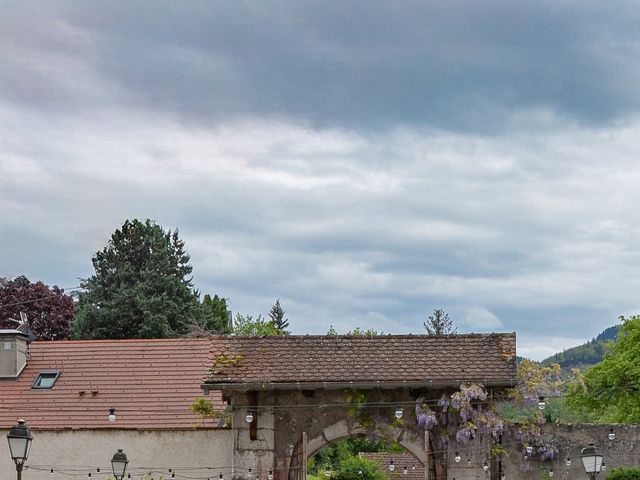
[{"x": 365, "y": 162}]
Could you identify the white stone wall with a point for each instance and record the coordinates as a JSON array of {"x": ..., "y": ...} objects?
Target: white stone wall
[{"x": 160, "y": 449}]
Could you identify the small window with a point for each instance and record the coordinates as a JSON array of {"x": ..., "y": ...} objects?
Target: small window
[{"x": 46, "y": 379}]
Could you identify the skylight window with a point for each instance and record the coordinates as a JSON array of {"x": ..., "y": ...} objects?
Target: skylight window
[{"x": 46, "y": 379}]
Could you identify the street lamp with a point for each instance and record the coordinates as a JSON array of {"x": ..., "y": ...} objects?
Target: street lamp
[
  {"x": 20, "y": 439},
  {"x": 592, "y": 461},
  {"x": 119, "y": 464}
]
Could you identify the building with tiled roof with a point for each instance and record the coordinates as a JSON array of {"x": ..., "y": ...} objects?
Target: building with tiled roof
[
  {"x": 65, "y": 390},
  {"x": 386, "y": 361},
  {"x": 149, "y": 383},
  {"x": 405, "y": 465}
]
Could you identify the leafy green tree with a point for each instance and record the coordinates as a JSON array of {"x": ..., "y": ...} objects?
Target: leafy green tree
[
  {"x": 141, "y": 287},
  {"x": 49, "y": 310},
  {"x": 357, "y": 468},
  {"x": 439, "y": 323},
  {"x": 247, "y": 326},
  {"x": 624, "y": 474},
  {"x": 610, "y": 390},
  {"x": 277, "y": 317}
]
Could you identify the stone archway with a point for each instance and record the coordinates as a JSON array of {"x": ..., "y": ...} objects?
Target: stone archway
[{"x": 308, "y": 447}]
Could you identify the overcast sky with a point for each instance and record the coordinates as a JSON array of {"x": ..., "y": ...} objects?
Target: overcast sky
[{"x": 363, "y": 161}]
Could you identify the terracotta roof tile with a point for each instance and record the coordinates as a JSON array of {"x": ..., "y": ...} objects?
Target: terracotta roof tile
[
  {"x": 414, "y": 469},
  {"x": 150, "y": 383},
  {"x": 489, "y": 359}
]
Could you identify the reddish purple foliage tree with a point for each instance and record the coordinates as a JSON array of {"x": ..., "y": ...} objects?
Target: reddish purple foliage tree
[{"x": 49, "y": 310}]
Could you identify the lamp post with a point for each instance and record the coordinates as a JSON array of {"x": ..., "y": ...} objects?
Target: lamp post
[
  {"x": 119, "y": 464},
  {"x": 20, "y": 439},
  {"x": 592, "y": 461}
]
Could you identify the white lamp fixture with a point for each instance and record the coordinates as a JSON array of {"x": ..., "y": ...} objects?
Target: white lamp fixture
[
  {"x": 541, "y": 403},
  {"x": 112, "y": 415},
  {"x": 399, "y": 412},
  {"x": 591, "y": 461},
  {"x": 392, "y": 466},
  {"x": 249, "y": 417}
]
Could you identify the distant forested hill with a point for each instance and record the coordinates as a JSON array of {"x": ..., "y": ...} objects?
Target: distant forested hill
[{"x": 586, "y": 354}]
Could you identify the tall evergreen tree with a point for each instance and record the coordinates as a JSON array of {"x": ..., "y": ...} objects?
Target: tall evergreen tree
[
  {"x": 141, "y": 287},
  {"x": 277, "y": 317},
  {"x": 439, "y": 323},
  {"x": 215, "y": 315}
]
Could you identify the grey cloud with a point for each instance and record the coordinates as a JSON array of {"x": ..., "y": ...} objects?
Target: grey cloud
[{"x": 458, "y": 65}]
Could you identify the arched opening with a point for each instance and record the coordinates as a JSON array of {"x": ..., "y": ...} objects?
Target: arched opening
[
  {"x": 361, "y": 457},
  {"x": 407, "y": 447}
]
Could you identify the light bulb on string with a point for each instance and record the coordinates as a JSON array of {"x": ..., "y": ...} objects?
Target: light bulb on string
[
  {"x": 457, "y": 458},
  {"x": 612, "y": 434},
  {"x": 220, "y": 477},
  {"x": 249, "y": 417},
  {"x": 529, "y": 449},
  {"x": 503, "y": 477},
  {"x": 604, "y": 466},
  {"x": 392, "y": 466},
  {"x": 469, "y": 461},
  {"x": 567, "y": 462},
  {"x": 551, "y": 472},
  {"x": 112, "y": 415},
  {"x": 89, "y": 476},
  {"x": 250, "y": 473},
  {"x": 51, "y": 470},
  {"x": 360, "y": 472},
  {"x": 173, "y": 475},
  {"x": 541, "y": 403},
  {"x": 485, "y": 466},
  {"x": 413, "y": 467},
  {"x": 270, "y": 476},
  {"x": 327, "y": 472},
  {"x": 405, "y": 471},
  {"x": 399, "y": 412}
]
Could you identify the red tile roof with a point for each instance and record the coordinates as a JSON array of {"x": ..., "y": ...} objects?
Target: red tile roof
[
  {"x": 414, "y": 469},
  {"x": 284, "y": 362},
  {"x": 151, "y": 384}
]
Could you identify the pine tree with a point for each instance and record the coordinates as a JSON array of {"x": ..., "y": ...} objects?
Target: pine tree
[
  {"x": 277, "y": 317},
  {"x": 141, "y": 287},
  {"x": 439, "y": 323}
]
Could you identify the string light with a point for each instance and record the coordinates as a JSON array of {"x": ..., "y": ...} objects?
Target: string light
[
  {"x": 457, "y": 458},
  {"x": 603, "y": 466},
  {"x": 249, "y": 417},
  {"x": 469, "y": 461},
  {"x": 503, "y": 477},
  {"x": 405, "y": 471},
  {"x": 567, "y": 462},
  {"x": 541, "y": 403},
  {"x": 392, "y": 466},
  {"x": 250, "y": 473},
  {"x": 270, "y": 476},
  {"x": 360, "y": 472},
  {"x": 529, "y": 449},
  {"x": 612, "y": 434},
  {"x": 51, "y": 470},
  {"x": 551, "y": 472},
  {"x": 485, "y": 466},
  {"x": 399, "y": 412},
  {"x": 112, "y": 415},
  {"x": 327, "y": 472}
]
